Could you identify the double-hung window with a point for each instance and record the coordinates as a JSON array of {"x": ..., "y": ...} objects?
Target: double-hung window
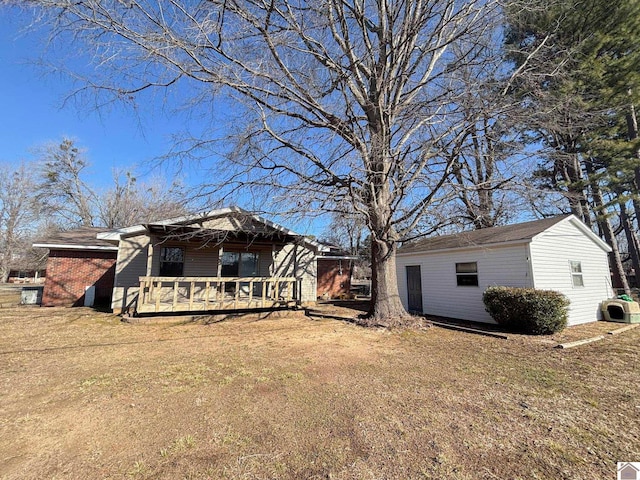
[
  {"x": 467, "y": 274},
  {"x": 577, "y": 280},
  {"x": 171, "y": 261}
]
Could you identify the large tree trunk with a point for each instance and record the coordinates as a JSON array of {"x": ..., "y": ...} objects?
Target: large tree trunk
[
  {"x": 632, "y": 241},
  {"x": 615, "y": 260},
  {"x": 386, "y": 307},
  {"x": 571, "y": 170},
  {"x": 632, "y": 127}
]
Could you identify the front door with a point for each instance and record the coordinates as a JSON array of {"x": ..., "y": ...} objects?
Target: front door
[{"x": 414, "y": 289}]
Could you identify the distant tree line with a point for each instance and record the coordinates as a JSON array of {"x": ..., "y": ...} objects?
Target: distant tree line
[{"x": 55, "y": 192}]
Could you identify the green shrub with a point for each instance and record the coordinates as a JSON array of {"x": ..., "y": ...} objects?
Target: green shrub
[{"x": 527, "y": 310}]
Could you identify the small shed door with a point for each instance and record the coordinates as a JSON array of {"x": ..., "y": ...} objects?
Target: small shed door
[{"x": 414, "y": 288}]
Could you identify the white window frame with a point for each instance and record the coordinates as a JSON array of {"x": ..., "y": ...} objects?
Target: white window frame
[
  {"x": 577, "y": 275},
  {"x": 467, "y": 273}
]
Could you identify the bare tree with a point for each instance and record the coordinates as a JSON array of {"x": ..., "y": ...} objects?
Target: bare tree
[
  {"x": 346, "y": 230},
  {"x": 17, "y": 215},
  {"x": 129, "y": 202},
  {"x": 341, "y": 100},
  {"x": 66, "y": 193},
  {"x": 483, "y": 169},
  {"x": 63, "y": 190}
]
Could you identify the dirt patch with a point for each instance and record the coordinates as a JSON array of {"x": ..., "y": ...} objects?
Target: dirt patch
[{"x": 85, "y": 395}]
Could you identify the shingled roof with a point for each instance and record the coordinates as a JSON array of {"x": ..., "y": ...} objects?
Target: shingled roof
[
  {"x": 486, "y": 236},
  {"x": 78, "y": 238},
  {"x": 247, "y": 224}
]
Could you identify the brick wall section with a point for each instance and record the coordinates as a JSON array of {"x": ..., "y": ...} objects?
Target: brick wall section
[
  {"x": 334, "y": 277},
  {"x": 70, "y": 271}
]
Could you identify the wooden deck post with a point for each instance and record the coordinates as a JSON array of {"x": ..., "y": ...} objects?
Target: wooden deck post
[
  {"x": 158, "y": 295},
  {"x": 150, "y": 257},
  {"x": 142, "y": 293},
  {"x": 175, "y": 295},
  {"x": 192, "y": 287}
]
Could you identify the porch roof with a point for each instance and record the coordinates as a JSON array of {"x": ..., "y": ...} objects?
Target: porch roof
[
  {"x": 197, "y": 233},
  {"x": 191, "y": 221}
]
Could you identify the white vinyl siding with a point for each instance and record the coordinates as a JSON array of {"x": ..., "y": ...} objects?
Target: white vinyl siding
[
  {"x": 552, "y": 253},
  {"x": 131, "y": 264},
  {"x": 201, "y": 262},
  {"x": 265, "y": 262},
  {"x": 132, "y": 260},
  {"x": 228, "y": 223},
  {"x": 442, "y": 296},
  {"x": 298, "y": 261}
]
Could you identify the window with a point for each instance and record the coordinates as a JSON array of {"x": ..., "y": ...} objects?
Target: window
[
  {"x": 467, "y": 274},
  {"x": 239, "y": 264},
  {"x": 576, "y": 274},
  {"x": 171, "y": 261}
]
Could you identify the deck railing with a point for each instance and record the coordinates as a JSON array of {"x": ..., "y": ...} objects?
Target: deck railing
[{"x": 191, "y": 294}]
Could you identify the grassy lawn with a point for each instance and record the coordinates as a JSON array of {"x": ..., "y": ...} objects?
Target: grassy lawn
[{"x": 83, "y": 395}]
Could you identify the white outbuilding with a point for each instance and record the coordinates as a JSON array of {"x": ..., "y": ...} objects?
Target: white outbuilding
[{"x": 447, "y": 275}]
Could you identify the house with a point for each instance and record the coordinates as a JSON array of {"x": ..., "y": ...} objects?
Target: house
[
  {"x": 226, "y": 259},
  {"x": 23, "y": 275},
  {"x": 26, "y": 266},
  {"x": 335, "y": 268},
  {"x": 447, "y": 275},
  {"x": 80, "y": 268}
]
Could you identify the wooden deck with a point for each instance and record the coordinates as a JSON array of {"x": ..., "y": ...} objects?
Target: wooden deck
[{"x": 196, "y": 294}]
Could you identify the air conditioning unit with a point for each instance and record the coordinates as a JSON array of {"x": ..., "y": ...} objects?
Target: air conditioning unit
[{"x": 617, "y": 310}]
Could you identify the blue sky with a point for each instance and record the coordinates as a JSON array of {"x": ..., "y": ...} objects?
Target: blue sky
[{"x": 32, "y": 114}]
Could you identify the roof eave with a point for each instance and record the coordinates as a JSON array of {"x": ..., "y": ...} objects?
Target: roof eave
[
  {"x": 466, "y": 247},
  {"x": 57, "y": 246},
  {"x": 337, "y": 257}
]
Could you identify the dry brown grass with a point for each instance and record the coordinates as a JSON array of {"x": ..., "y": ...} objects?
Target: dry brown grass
[
  {"x": 83, "y": 395},
  {"x": 10, "y": 294}
]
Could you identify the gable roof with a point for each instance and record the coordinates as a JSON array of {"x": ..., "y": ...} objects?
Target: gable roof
[
  {"x": 83, "y": 238},
  {"x": 175, "y": 224},
  {"x": 516, "y": 233}
]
